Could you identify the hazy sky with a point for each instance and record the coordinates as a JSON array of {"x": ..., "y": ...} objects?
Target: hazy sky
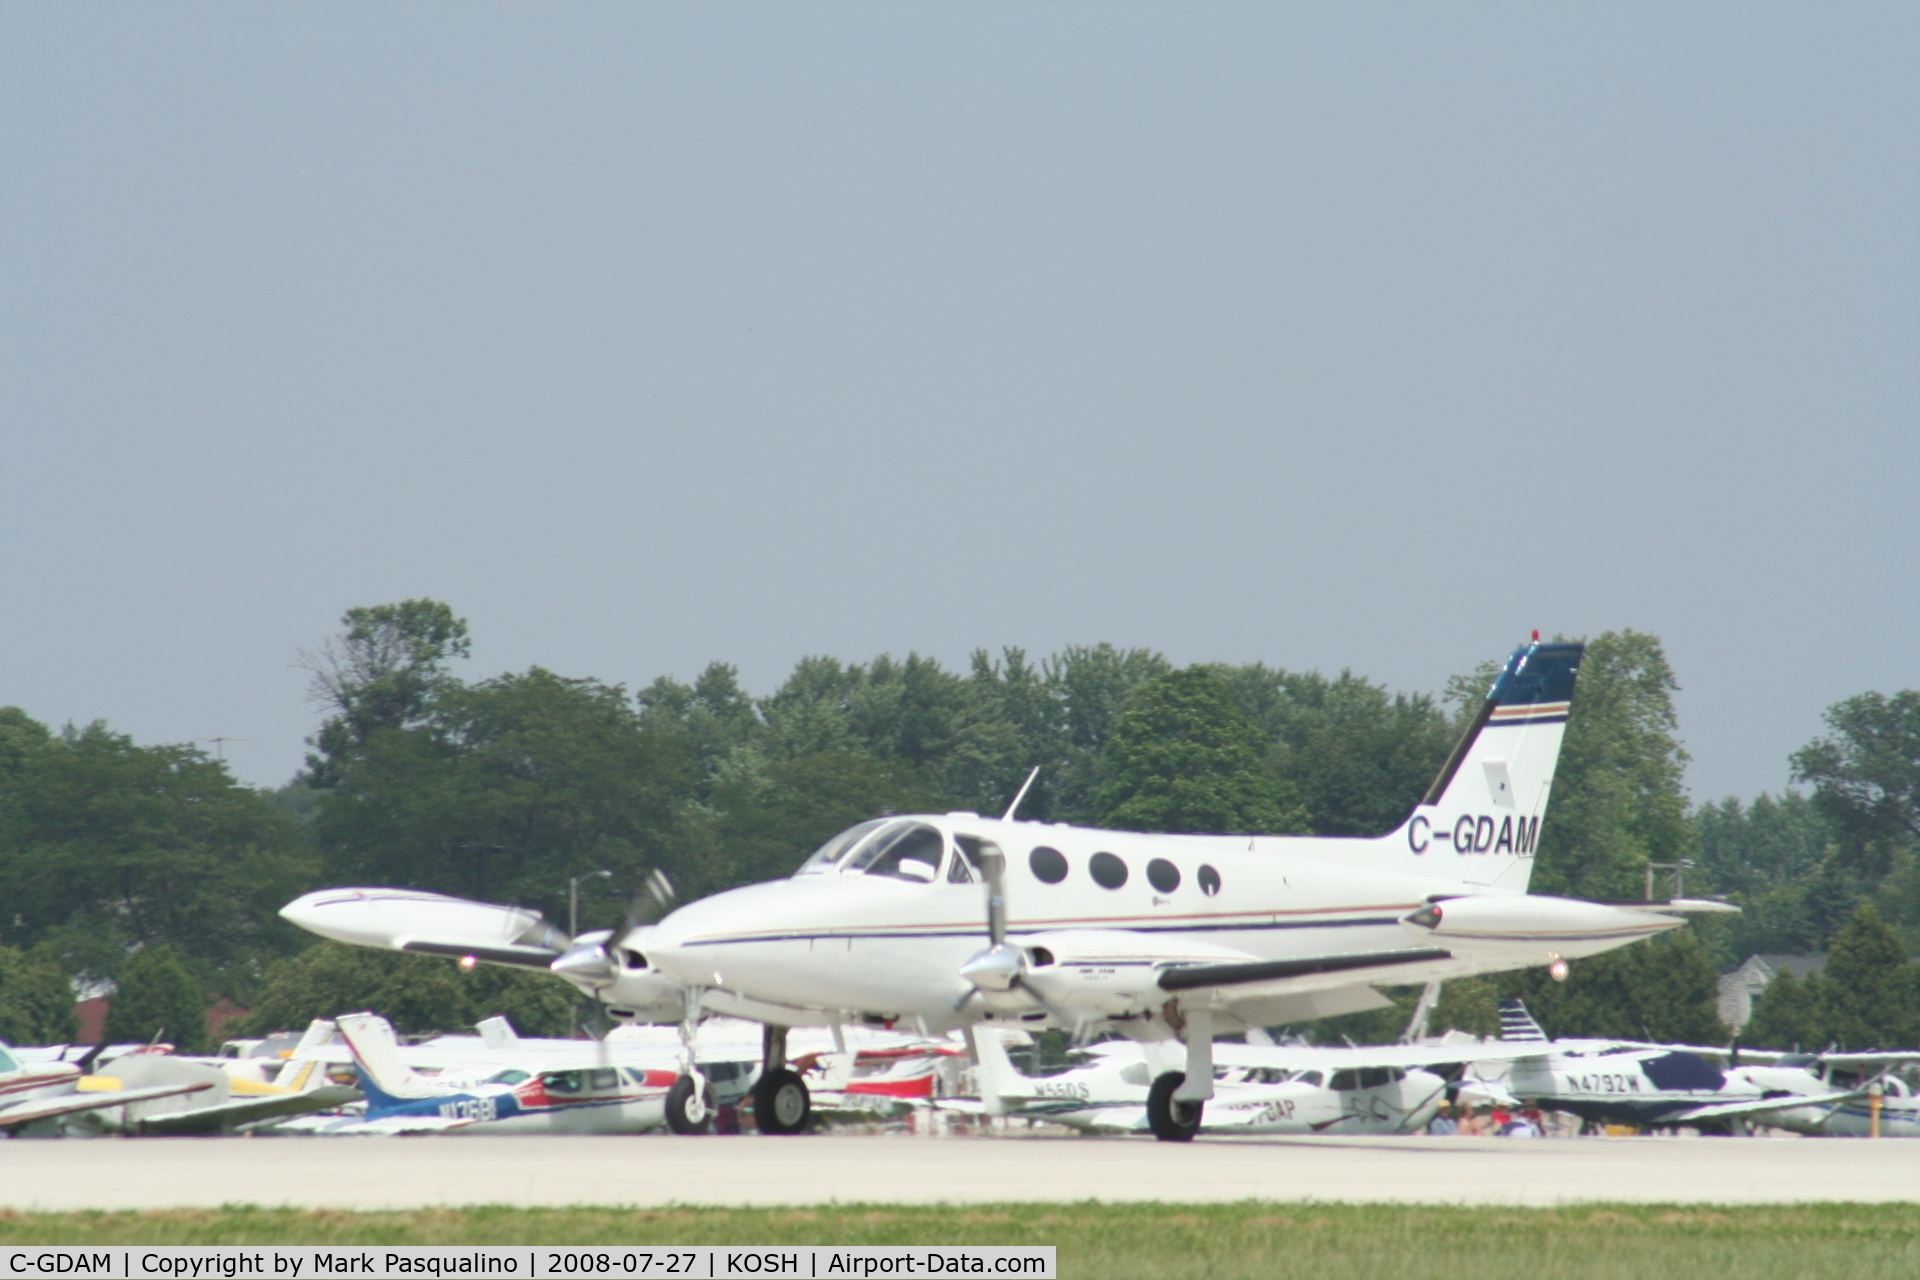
[{"x": 645, "y": 335}]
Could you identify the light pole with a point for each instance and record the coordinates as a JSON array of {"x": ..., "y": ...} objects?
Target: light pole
[
  {"x": 1679, "y": 870},
  {"x": 573, "y": 899},
  {"x": 573, "y": 927}
]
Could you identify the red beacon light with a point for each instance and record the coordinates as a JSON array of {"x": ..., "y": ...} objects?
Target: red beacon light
[{"x": 1536, "y": 635}]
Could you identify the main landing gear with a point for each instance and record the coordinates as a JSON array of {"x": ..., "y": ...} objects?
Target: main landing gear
[
  {"x": 781, "y": 1103},
  {"x": 1170, "y": 1118},
  {"x": 1177, "y": 1099}
]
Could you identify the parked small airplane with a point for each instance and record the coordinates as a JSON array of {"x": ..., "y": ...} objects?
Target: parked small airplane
[
  {"x": 568, "y": 1099},
  {"x": 1850, "y": 1109},
  {"x": 1638, "y": 1083},
  {"x": 36, "y": 1098},
  {"x": 239, "y": 1096},
  {"x": 1162, "y": 937},
  {"x": 1276, "y": 1089}
]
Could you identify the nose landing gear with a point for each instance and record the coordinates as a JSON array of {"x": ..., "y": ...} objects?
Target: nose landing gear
[{"x": 690, "y": 1105}]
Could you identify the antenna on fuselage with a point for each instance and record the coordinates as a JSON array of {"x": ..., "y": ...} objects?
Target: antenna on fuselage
[{"x": 1021, "y": 794}]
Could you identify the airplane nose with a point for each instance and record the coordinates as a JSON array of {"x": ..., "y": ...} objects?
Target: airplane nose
[
  {"x": 305, "y": 912},
  {"x": 666, "y": 951},
  {"x": 712, "y": 943}
]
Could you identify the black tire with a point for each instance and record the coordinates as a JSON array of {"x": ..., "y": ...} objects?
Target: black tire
[
  {"x": 781, "y": 1103},
  {"x": 1172, "y": 1121},
  {"x": 687, "y": 1113}
]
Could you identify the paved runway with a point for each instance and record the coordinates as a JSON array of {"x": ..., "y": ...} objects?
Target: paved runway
[{"x": 381, "y": 1173}]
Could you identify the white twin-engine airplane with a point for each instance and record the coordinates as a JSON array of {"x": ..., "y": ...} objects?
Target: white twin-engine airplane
[{"x": 1157, "y": 936}]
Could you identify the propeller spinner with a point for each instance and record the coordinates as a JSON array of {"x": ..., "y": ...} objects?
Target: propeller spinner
[{"x": 590, "y": 961}]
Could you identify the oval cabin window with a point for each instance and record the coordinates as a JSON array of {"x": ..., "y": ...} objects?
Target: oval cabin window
[
  {"x": 1163, "y": 875},
  {"x": 1209, "y": 881},
  {"x": 1049, "y": 865},
  {"x": 1108, "y": 871}
]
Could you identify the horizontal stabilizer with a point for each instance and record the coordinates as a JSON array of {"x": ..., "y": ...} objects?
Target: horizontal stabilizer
[{"x": 1683, "y": 907}]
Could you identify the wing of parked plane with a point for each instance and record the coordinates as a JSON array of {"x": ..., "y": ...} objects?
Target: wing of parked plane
[
  {"x": 1882, "y": 1058},
  {"x": 359, "y": 1126},
  {"x": 1760, "y": 1106},
  {"x": 91, "y": 1100},
  {"x": 250, "y": 1110},
  {"x": 1333, "y": 1058}
]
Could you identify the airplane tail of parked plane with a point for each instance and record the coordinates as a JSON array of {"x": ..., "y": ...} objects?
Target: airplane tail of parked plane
[
  {"x": 304, "y": 1067},
  {"x": 1480, "y": 820},
  {"x": 384, "y": 1077},
  {"x": 1000, "y": 1081},
  {"x": 1517, "y": 1025}
]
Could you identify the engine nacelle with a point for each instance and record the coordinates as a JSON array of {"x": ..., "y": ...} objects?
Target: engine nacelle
[{"x": 1110, "y": 973}]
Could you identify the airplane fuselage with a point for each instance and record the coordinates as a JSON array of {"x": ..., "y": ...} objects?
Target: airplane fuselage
[{"x": 1106, "y": 911}]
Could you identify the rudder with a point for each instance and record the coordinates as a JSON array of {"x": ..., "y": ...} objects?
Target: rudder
[{"x": 1480, "y": 820}]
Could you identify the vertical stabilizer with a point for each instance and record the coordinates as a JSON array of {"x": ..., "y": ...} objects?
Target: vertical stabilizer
[
  {"x": 1480, "y": 820},
  {"x": 304, "y": 1069},
  {"x": 1517, "y": 1025},
  {"x": 497, "y": 1033},
  {"x": 384, "y": 1078},
  {"x": 1000, "y": 1082}
]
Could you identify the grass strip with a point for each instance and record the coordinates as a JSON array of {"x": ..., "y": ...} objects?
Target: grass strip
[{"x": 1218, "y": 1241}]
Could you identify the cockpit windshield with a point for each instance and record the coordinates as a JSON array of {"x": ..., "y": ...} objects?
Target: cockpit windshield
[
  {"x": 897, "y": 847},
  {"x": 907, "y": 851},
  {"x": 832, "y": 851}
]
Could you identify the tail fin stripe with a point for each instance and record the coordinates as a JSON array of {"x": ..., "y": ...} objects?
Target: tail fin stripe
[{"x": 1517, "y": 1024}]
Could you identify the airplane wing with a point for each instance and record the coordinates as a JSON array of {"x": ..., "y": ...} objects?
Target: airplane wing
[
  {"x": 517, "y": 957},
  {"x": 386, "y": 1127},
  {"x": 393, "y": 1126},
  {"x": 1253, "y": 979},
  {"x": 249, "y": 1110},
  {"x": 95, "y": 1100},
  {"x": 1759, "y": 1106},
  {"x": 1866, "y": 1059},
  {"x": 1332, "y": 1058}
]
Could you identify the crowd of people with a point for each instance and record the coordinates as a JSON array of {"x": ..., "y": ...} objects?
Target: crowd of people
[{"x": 1493, "y": 1122}]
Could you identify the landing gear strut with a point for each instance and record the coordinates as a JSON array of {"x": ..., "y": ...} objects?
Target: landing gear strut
[
  {"x": 1177, "y": 1099},
  {"x": 780, "y": 1100}
]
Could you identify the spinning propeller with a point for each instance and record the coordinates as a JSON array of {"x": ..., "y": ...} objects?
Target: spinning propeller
[
  {"x": 1002, "y": 965},
  {"x": 592, "y": 959}
]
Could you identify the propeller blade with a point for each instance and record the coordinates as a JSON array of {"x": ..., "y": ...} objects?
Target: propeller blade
[
  {"x": 652, "y": 900},
  {"x": 993, "y": 865},
  {"x": 999, "y": 967}
]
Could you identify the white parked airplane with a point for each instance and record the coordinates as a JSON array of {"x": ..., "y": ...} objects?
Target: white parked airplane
[
  {"x": 1848, "y": 1082},
  {"x": 1158, "y": 936},
  {"x": 1640, "y": 1083},
  {"x": 1340, "y": 1091}
]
